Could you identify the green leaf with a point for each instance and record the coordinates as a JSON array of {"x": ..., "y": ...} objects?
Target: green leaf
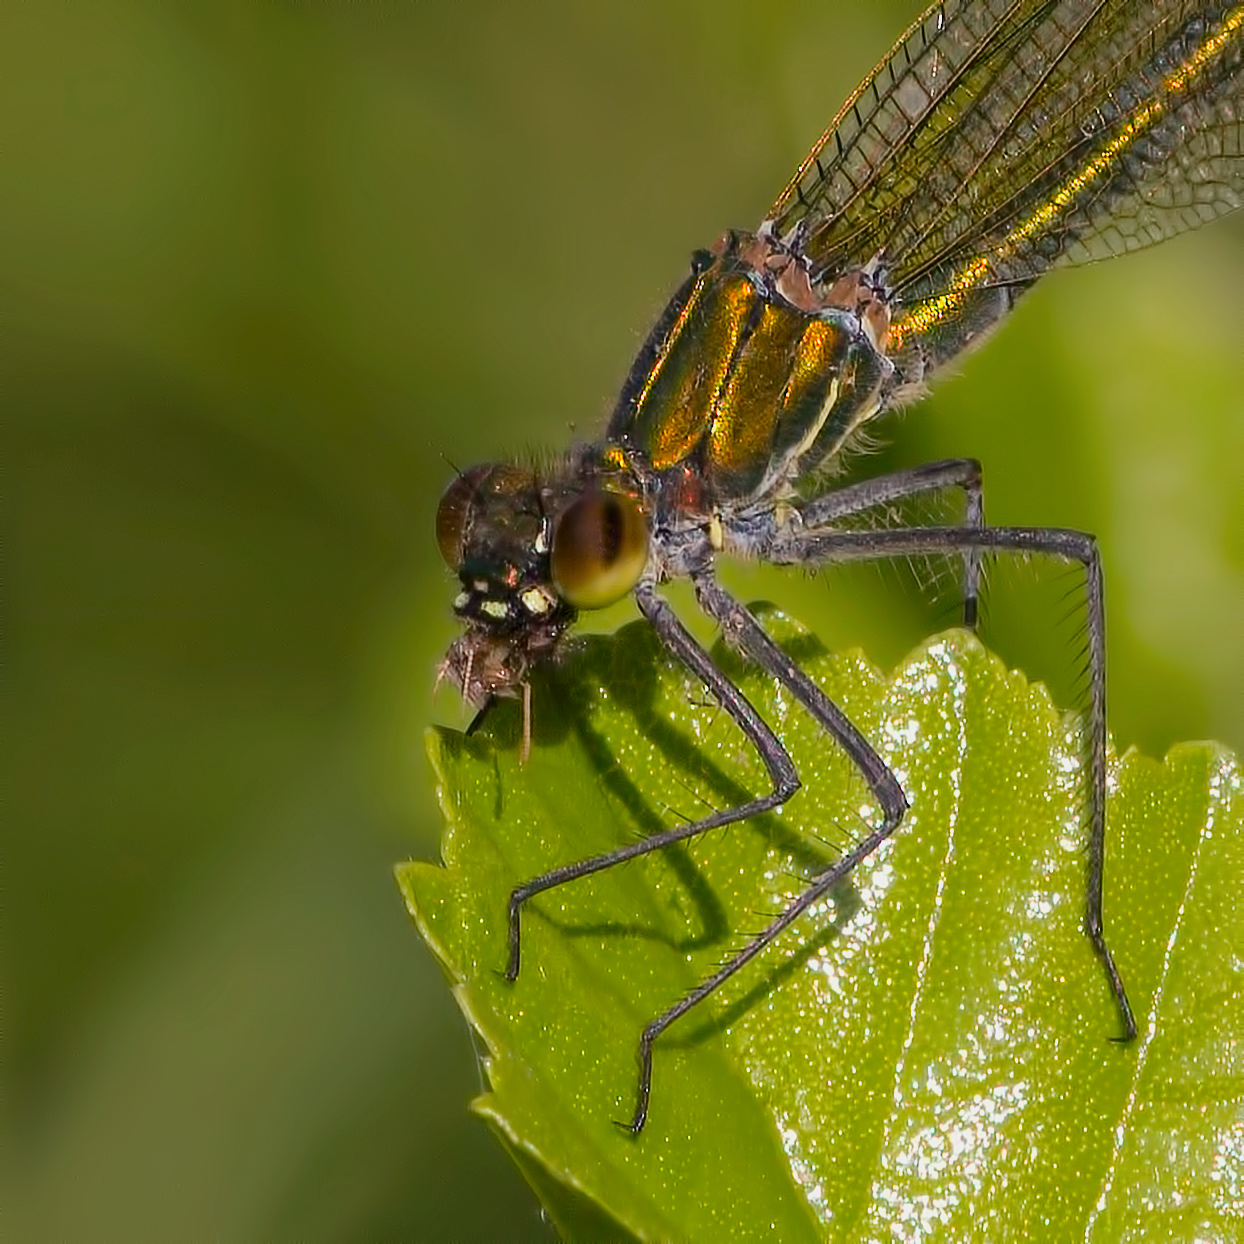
[{"x": 926, "y": 1055}]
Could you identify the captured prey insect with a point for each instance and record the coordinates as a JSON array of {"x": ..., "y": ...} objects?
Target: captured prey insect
[{"x": 998, "y": 140}]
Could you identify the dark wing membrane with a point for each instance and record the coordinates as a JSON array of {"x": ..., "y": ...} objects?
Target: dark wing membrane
[{"x": 1001, "y": 138}]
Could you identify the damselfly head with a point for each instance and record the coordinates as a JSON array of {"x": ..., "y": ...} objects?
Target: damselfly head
[{"x": 530, "y": 552}]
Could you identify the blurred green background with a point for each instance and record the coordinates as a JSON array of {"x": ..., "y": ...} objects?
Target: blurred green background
[{"x": 267, "y": 270}]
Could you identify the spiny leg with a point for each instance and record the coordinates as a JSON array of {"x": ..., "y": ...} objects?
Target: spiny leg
[
  {"x": 964, "y": 473},
  {"x": 742, "y": 628},
  {"x": 812, "y": 549},
  {"x": 776, "y": 760}
]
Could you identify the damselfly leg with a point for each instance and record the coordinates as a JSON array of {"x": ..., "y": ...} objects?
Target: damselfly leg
[
  {"x": 994, "y": 144},
  {"x": 812, "y": 548},
  {"x": 883, "y": 490},
  {"x": 805, "y": 541}
]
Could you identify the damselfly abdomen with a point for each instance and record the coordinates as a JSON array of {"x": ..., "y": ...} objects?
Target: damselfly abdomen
[{"x": 998, "y": 140}]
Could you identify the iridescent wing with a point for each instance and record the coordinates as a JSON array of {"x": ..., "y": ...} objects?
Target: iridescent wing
[{"x": 1001, "y": 138}]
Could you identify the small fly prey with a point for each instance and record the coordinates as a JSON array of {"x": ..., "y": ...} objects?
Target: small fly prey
[{"x": 998, "y": 140}]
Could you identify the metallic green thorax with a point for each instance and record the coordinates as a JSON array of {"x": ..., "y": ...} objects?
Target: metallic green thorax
[{"x": 749, "y": 378}]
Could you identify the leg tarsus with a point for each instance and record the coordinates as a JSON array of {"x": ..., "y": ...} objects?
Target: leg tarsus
[
  {"x": 644, "y": 1093},
  {"x": 1117, "y": 988},
  {"x": 517, "y": 898}
]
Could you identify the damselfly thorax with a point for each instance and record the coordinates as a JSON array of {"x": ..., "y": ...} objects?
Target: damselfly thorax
[
  {"x": 998, "y": 140},
  {"x": 750, "y": 379}
]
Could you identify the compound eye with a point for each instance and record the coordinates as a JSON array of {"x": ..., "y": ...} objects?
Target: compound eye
[
  {"x": 454, "y": 512},
  {"x": 600, "y": 548}
]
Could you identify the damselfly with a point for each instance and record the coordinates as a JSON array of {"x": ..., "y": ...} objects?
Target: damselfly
[{"x": 998, "y": 140}]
